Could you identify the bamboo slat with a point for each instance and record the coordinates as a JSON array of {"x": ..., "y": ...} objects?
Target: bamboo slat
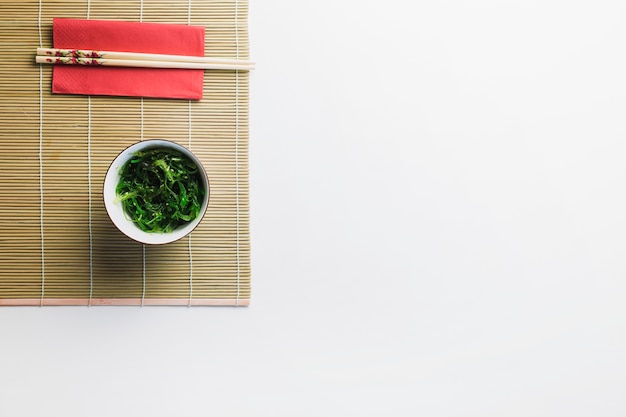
[{"x": 57, "y": 245}]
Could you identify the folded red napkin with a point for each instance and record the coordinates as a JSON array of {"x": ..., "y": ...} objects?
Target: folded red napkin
[{"x": 113, "y": 35}]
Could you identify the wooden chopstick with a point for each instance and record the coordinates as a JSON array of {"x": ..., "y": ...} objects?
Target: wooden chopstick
[
  {"x": 137, "y": 63},
  {"x": 132, "y": 59}
]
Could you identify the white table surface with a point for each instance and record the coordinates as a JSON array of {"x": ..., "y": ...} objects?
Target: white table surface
[{"x": 438, "y": 229}]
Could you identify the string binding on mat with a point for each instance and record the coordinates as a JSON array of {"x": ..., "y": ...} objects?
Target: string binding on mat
[
  {"x": 237, "y": 150},
  {"x": 41, "y": 228}
]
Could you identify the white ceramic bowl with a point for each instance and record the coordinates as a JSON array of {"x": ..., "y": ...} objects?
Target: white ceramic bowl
[{"x": 116, "y": 211}]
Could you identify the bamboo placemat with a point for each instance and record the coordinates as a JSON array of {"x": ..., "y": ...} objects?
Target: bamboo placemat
[{"x": 57, "y": 244}]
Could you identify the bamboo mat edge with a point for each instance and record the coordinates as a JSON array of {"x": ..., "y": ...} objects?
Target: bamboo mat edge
[{"x": 29, "y": 302}]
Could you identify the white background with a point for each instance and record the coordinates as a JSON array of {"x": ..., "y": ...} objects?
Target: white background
[{"x": 438, "y": 229}]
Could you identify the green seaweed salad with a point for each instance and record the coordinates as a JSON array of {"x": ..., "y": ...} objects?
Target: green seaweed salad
[{"x": 160, "y": 189}]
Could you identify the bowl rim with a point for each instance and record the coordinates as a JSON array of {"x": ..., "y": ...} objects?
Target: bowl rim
[{"x": 134, "y": 233}]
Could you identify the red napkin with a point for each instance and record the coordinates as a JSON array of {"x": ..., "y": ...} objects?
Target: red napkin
[{"x": 112, "y": 35}]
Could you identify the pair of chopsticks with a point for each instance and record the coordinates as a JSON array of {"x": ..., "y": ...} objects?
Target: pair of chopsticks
[{"x": 132, "y": 59}]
